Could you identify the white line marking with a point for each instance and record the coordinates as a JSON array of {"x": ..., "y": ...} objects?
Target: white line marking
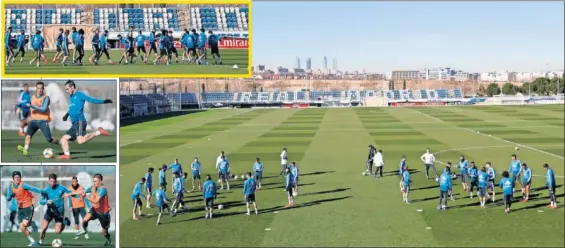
[
  {"x": 428, "y": 228},
  {"x": 419, "y": 210},
  {"x": 494, "y": 137},
  {"x": 267, "y": 229},
  {"x": 131, "y": 143}
]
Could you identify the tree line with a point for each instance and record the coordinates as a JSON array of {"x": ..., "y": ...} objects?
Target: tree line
[{"x": 541, "y": 86}]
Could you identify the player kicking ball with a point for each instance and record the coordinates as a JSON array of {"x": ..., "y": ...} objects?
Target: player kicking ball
[
  {"x": 54, "y": 197},
  {"x": 249, "y": 189},
  {"x": 76, "y": 112},
  {"x": 100, "y": 208}
]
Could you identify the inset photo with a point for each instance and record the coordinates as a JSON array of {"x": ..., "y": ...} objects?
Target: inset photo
[
  {"x": 134, "y": 39},
  {"x": 57, "y": 206},
  {"x": 59, "y": 121}
]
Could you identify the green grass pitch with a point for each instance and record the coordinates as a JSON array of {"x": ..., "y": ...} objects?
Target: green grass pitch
[
  {"x": 17, "y": 239},
  {"x": 230, "y": 57},
  {"x": 336, "y": 205},
  {"x": 100, "y": 149}
]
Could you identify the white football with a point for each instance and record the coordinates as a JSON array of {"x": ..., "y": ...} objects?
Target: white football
[
  {"x": 220, "y": 206},
  {"x": 242, "y": 177},
  {"x": 516, "y": 148},
  {"x": 437, "y": 179},
  {"x": 219, "y": 180},
  {"x": 363, "y": 173},
  {"x": 48, "y": 153},
  {"x": 236, "y": 177},
  {"x": 57, "y": 243},
  {"x": 294, "y": 193}
]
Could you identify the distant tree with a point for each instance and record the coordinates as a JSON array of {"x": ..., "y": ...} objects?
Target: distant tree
[
  {"x": 481, "y": 91},
  {"x": 525, "y": 88},
  {"x": 509, "y": 89},
  {"x": 492, "y": 89}
]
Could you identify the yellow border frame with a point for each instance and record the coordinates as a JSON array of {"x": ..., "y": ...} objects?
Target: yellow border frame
[{"x": 211, "y": 2}]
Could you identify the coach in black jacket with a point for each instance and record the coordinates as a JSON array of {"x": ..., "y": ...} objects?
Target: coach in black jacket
[{"x": 372, "y": 152}]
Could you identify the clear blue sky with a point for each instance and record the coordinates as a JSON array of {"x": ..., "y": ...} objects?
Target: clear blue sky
[{"x": 386, "y": 36}]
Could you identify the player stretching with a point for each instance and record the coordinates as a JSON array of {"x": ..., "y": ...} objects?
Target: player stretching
[
  {"x": 161, "y": 203},
  {"x": 21, "y": 192},
  {"x": 152, "y": 46},
  {"x": 21, "y": 40},
  {"x": 213, "y": 43},
  {"x": 224, "y": 173},
  {"x": 128, "y": 50},
  {"x": 258, "y": 168},
  {"x": 551, "y": 185},
  {"x": 507, "y": 185},
  {"x": 209, "y": 192},
  {"x": 249, "y": 189},
  {"x": 149, "y": 185},
  {"x": 7, "y": 48},
  {"x": 59, "y": 45},
  {"x": 294, "y": 171},
  {"x": 186, "y": 42},
  {"x": 163, "y": 48},
  {"x": 444, "y": 188},
  {"x": 22, "y": 110},
  {"x": 76, "y": 112},
  {"x": 515, "y": 168},
  {"x": 140, "y": 44},
  {"x": 100, "y": 208},
  {"x": 526, "y": 182},
  {"x": 40, "y": 118},
  {"x": 95, "y": 46},
  {"x": 284, "y": 162},
  {"x": 37, "y": 45},
  {"x": 171, "y": 49},
  {"x": 137, "y": 204},
  {"x": 463, "y": 166},
  {"x": 178, "y": 192},
  {"x": 482, "y": 178},
  {"x": 473, "y": 174},
  {"x": 104, "y": 46},
  {"x": 405, "y": 184},
  {"x": 289, "y": 187},
  {"x": 65, "y": 47},
  {"x": 491, "y": 176},
  {"x": 428, "y": 158},
  {"x": 196, "y": 173},
  {"x": 77, "y": 204},
  {"x": 53, "y": 196}
]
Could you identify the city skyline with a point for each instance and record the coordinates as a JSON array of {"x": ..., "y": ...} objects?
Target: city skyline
[{"x": 478, "y": 36}]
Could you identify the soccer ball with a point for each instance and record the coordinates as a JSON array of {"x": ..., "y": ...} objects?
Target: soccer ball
[
  {"x": 220, "y": 206},
  {"x": 454, "y": 176},
  {"x": 437, "y": 179},
  {"x": 57, "y": 243},
  {"x": 294, "y": 193},
  {"x": 236, "y": 177},
  {"x": 363, "y": 173},
  {"x": 48, "y": 153},
  {"x": 219, "y": 180},
  {"x": 516, "y": 148}
]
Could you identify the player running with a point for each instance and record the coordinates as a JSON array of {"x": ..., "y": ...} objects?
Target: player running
[
  {"x": 551, "y": 185},
  {"x": 482, "y": 182},
  {"x": 224, "y": 173},
  {"x": 507, "y": 185},
  {"x": 22, "y": 110},
  {"x": 491, "y": 176},
  {"x": 79, "y": 46},
  {"x": 473, "y": 175},
  {"x": 405, "y": 184},
  {"x": 258, "y": 167},
  {"x": 100, "y": 210},
  {"x": 40, "y": 118},
  {"x": 21, "y": 43},
  {"x": 195, "y": 167},
  {"x": 152, "y": 45},
  {"x": 77, "y": 204},
  {"x": 37, "y": 43},
  {"x": 128, "y": 50},
  {"x": 444, "y": 187},
  {"x": 53, "y": 196},
  {"x": 137, "y": 204},
  {"x": 21, "y": 192},
  {"x": 213, "y": 44},
  {"x": 526, "y": 182},
  {"x": 202, "y": 41},
  {"x": 7, "y": 49},
  {"x": 429, "y": 159},
  {"x": 59, "y": 45},
  {"x": 104, "y": 47},
  {"x": 515, "y": 168},
  {"x": 187, "y": 44},
  {"x": 463, "y": 166},
  {"x": 149, "y": 185},
  {"x": 95, "y": 41},
  {"x": 161, "y": 203},
  {"x": 378, "y": 161},
  {"x": 65, "y": 47},
  {"x": 163, "y": 176},
  {"x": 140, "y": 45},
  {"x": 163, "y": 53},
  {"x": 171, "y": 47},
  {"x": 77, "y": 131},
  {"x": 209, "y": 192},
  {"x": 178, "y": 192},
  {"x": 249, "y": 189}
]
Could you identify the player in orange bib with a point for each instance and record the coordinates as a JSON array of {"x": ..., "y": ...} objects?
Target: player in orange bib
[
  {"x": 24, "y": 199},
  {"x": 40, "y": 118},
  {"x": 77, "y": 204},
  {"x": 100, "y": 208}
]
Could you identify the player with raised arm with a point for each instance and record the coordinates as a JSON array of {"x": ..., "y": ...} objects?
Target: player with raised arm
[
  {"x": 100, "y": 210},
  {"x": 463, "y": 166},
  {"x": 59, "y": 45},
  {"x": 21, "y": 43},
  {"x": 209, "y": 193},
  {"x": 406, "y": 181},
  {"x": 137, "y": 204},
  {"x": 175, "y": 168},
  {"x": 40, "y": 118},
  {"x": 22, "y": 110},
  {"x": 482, "y": 182},
  {"x": 258, "y": 167},
  {"x": 473, "y": 176},
  {"x": 77, "y": 204},
  {"x": 195, "y": 167},
  {"x": 429, "y": 159},
  {"x": 551, "y": 185},
  {"x": 53, "y": 196},
  {"x": 507, "y": 185},
  {"x": 76, "y": 112},
  {"x": 224, "y": 167},
  {"x": 21, "y": 192},
  {"x": 515, "y": 168},
  {"x": 149, "y": 185},
  {"x": 249, "y": 189},
  {"x": 213, "y": 43},
  {"x": 491, "y": 176},
  {"x": 444, "y": 187},
  {"x": 161, "y": 202},
  {"x": 526, "y": 182}
]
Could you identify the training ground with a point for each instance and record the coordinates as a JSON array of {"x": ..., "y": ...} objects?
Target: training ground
[
  {"x": 230, "y": 57},
  {"x": 336, "y": 205},
  {"x": 17, "y": 239}
]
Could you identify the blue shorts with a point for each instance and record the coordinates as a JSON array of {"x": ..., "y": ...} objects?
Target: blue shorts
[
  {"x": 40, "y": 125},
  {"x": 490, "y": 184},
  {"x": 406, "y": 188},
  {"x": 258, "y": 175},
  {"x": 148, "y": 189},
  {"x": 24, "y": 114},
  {"x": 482, "y": 191},
  {"x": 515, "y": 177},
  {"x": 202, "y": 50},
  {"x": 463, "y": 178},
  {"x": 224, "y": 175},
  {"x": 195, "y": 175},
  {"x": 38, "y": 52},
  {"x": 77, "y": 129},
  {"x": 65, "y": 52}
]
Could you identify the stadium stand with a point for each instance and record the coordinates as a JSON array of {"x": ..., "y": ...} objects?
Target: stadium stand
[
  {"x": 140, "y": 18},
  {"x": 220, "y": 19},
  {"x": 423, "y": 94},
  {"x": 31, "y": 20}
]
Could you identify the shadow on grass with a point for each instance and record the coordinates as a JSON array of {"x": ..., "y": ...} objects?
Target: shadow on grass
[
  {"x": 326, "y": 192},
  {"x": 283, "y": 186},
  {"x": 316, "y": 173},
  {"x": 412, "y": 172},
  {"x": 538, "y": 205},
  {"x": 427, "y": 187},
  {"x": 104, "y": 156},
  {"x": 429, "y": 198}
]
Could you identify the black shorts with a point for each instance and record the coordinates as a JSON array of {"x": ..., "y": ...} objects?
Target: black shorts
[
  {"x": 551, "y": 189},
  {"x": 24, "y": 114},
  {"x": 141, "y": 49},
  {"x": 130, "y": 50},
  {"x": 137, "y": 202},
  {"x": 38, "y": 52},
  {"x": 209, "y": 202},
  {"x": 9, "y": 51},
  {"x": 215, "y": 50},
  {"x": 22, "y": 49},
  {"x": 290, "y": 190},
  {"x": 250, "y": 198},
  {"x": 78, "y": 212},
  {"x": 193, "y": 50},
  {"x": 40, "y": 125},
  {"x": 152, "y": 47},
  {"x": 178, "y": 197},
  {"x": 54, "y": 215},
  {"x": 224, "y": 176},
  {"x": 258, "y": 175},
  {"x": 474, "y": 182},
  {"x": 13, "y": 215},
  {"x": 148, "y": 189},
  {"x": 104, "y": 218},
  {"x": 78, "y": 128},
  {"x": 173, "y": 49},
  {"x": 163, "y": 207},
  {"x": 26, "y": 213},
  {"x": 528, "y": 183},
  {"x": 163, "y": 185},
  {"x": 59, "y": 48},
  {"x": 195, "y": 176},
  {"x": 163, "y": 52},
  {"x": 508, "y": 199}
]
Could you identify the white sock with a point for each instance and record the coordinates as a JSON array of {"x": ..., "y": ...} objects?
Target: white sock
[
  {"x": 67, "y": 153},
  {"x": 31, "y": 239},
  {"x": 97, "y": 133},
  {"x": 26, "y": 147},
  {"x": 247, "y": 210},
  {"x": 21, "y": 129}
]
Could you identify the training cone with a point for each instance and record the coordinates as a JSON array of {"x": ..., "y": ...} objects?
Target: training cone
[{"x": 235, "y": 66}]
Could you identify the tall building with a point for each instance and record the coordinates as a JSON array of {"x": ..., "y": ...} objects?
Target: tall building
[
  {"x": 308, "y": 64},
  {"x": 325, "y": 62},
  {"x": 334, "y": 64},
  {"x": 405, "y": 75},
  {"x": 297, "y": 62}
]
